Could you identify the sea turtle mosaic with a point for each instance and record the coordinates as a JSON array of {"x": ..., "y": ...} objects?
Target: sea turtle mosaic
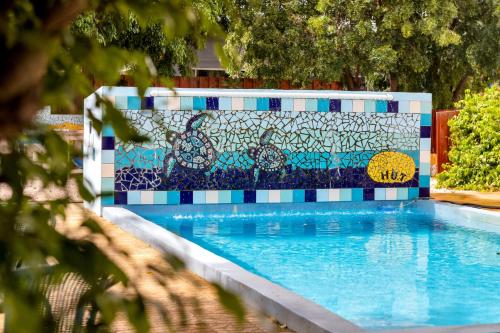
[
  {"x": 191, "y": 149},
  {"x": 267, "y": 157}
]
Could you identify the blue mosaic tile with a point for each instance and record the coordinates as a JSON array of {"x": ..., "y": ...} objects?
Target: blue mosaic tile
[
  {"x": 310, "y": 195},
  {"x": 424, "y": 192},
  {"x": 237, "y": 196},
  {"x": 425, "y": 144},
  {"x": 323, "y": 105},
  {"x": 286, "y": 196},
  {"x": 393, "y": 106},
  {"x": 402, "y": 193},
  {"x": 107, "y": 184},
  {"x": 186, "y": 197},
  {"x": 133, "y": 198},
  {"x": 346, "y": 105},
  {"x": 425, "y": 119},
  {"x": 199, "y": 103},
  {"x": 160, "y": 197},
  {"x": 311, "y": 104},
  {"x": 322, "y": 195},
  {"x": 335, "y": 105},
  {"x": 298, "y": 195},
  {"x": 107, "y": 200},
  {"x": 120, "y": 198},
  {"x": 345, "y": 194},
  {"x": 425, "y": 131},
  {"x": 426, "y": 107},
  {"x": 225, "y": 197},
  {"x": 274, "y": 104},
  {"x": 212, "y": 103},
  {"x": 404, "y": 106},
  {"x": 108, "y": 143},
  {"x": 413, "y": 193},
  {"x": 134, "y": 103},
  {"x": 160, "y": 103},
  {"x": 107, "y": 130},
  {"x": 262, "y": 196},
  {"x": 380, "y": 194},
  {"x": 225, "y": 103},
  {"x": 368, "y": 194},
  {"x": 186, "y": 103},
  {"x": 199, "y": 197},
  {"x": 173, "y": 197},
  {"x": 286, "y": 104},
  {"x": 357, "y": 194},
  {"x": 148, "y": 103},
  {"x": 424, "y": 181},
  {"x": 250, "y": 103},
  {"x": 262, "y": 104},
  {"x": 121, "y": 102},
  {"x": 108, "y": 156},
  {"x": 369, "y": 106},
  {"x": 249, "y": 196},
  {"x": 380, "y": 106}
]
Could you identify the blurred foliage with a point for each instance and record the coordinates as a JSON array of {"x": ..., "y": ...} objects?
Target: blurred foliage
[
  {"x": 475, "y": 150},
  {"x": 440, "y": 47},
  {"x": 52, "y": 52},
  {"x": 67, "y": 126}
]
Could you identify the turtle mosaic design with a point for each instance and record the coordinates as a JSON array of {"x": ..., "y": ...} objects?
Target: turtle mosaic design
[
  {"x": 267, "y": 156},
  {"x": 192, "y": 148}
]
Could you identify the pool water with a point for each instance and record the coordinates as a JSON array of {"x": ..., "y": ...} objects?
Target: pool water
[{"x": 378, "y": 265}]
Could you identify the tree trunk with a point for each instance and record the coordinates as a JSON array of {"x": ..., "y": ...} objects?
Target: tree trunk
[
  {"x": 352, "y": 82},
  {"x": 459, "y": 88},
  {"x": 393, "y": 81}
]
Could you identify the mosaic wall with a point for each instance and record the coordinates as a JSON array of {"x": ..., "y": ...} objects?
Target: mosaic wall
[{"x": 245, "y": 150}]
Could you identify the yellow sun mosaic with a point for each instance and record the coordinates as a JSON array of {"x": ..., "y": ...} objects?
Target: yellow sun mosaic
[{"x": 391, "y": 167}]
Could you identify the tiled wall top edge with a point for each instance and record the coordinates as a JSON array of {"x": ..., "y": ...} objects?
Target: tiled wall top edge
[{"x": 333, "y": 94}]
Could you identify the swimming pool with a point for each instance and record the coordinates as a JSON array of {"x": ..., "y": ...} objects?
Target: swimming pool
[{"x": 379, "y": 265}]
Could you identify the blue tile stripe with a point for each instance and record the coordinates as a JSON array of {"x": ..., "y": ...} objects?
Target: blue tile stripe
[
  {"x": 264, "y": 196},
  {"x": 268, "y": 104}
]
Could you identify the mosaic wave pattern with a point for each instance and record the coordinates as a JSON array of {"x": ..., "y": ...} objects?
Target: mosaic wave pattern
[{"x": 243, "y": 150}]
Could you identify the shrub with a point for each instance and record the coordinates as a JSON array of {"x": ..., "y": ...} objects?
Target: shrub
[{"x": 475, "y": 137}]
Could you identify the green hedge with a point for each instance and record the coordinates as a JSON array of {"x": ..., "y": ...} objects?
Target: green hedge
[{"x": 475, "y": 137}]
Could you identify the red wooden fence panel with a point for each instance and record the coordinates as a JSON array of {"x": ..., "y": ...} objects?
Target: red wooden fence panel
[{"x": 442, "y": 136}]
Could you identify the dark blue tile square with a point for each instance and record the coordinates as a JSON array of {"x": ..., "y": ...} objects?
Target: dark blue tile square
[
  {"x": 212, "y": 103},
  {"x": 424, "y": 192},
  {"x": 274, "y": 104},
  {"x": 147, "y": 103},
  {"x": 393, "y": 106},
  {"x": 108, "y": 143},
  {"x": 249, "y": 196},
  {"x": 186, "y": 197},
  {"x": 335, "y": 105},
  {"x": 368, "y": 194},
  {"x": 120, "y": 198},
  {"x": 425, "y": 131},
  {"x": 310, "y": 195}
]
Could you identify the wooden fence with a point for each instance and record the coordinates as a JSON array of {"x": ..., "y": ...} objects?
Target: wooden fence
[
  {"x": 441, "y": 142},
  {"x": 223, "y": 82}
]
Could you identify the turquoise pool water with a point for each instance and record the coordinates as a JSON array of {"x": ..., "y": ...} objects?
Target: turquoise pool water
[{"x": 378, "y": 265}]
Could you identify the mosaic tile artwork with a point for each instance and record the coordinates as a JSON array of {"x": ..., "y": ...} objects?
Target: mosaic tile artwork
[{"x": 238, "y": 150}]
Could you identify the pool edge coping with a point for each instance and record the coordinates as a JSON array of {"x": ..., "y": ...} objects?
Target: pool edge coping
[{"x": 298, "y": 313}]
